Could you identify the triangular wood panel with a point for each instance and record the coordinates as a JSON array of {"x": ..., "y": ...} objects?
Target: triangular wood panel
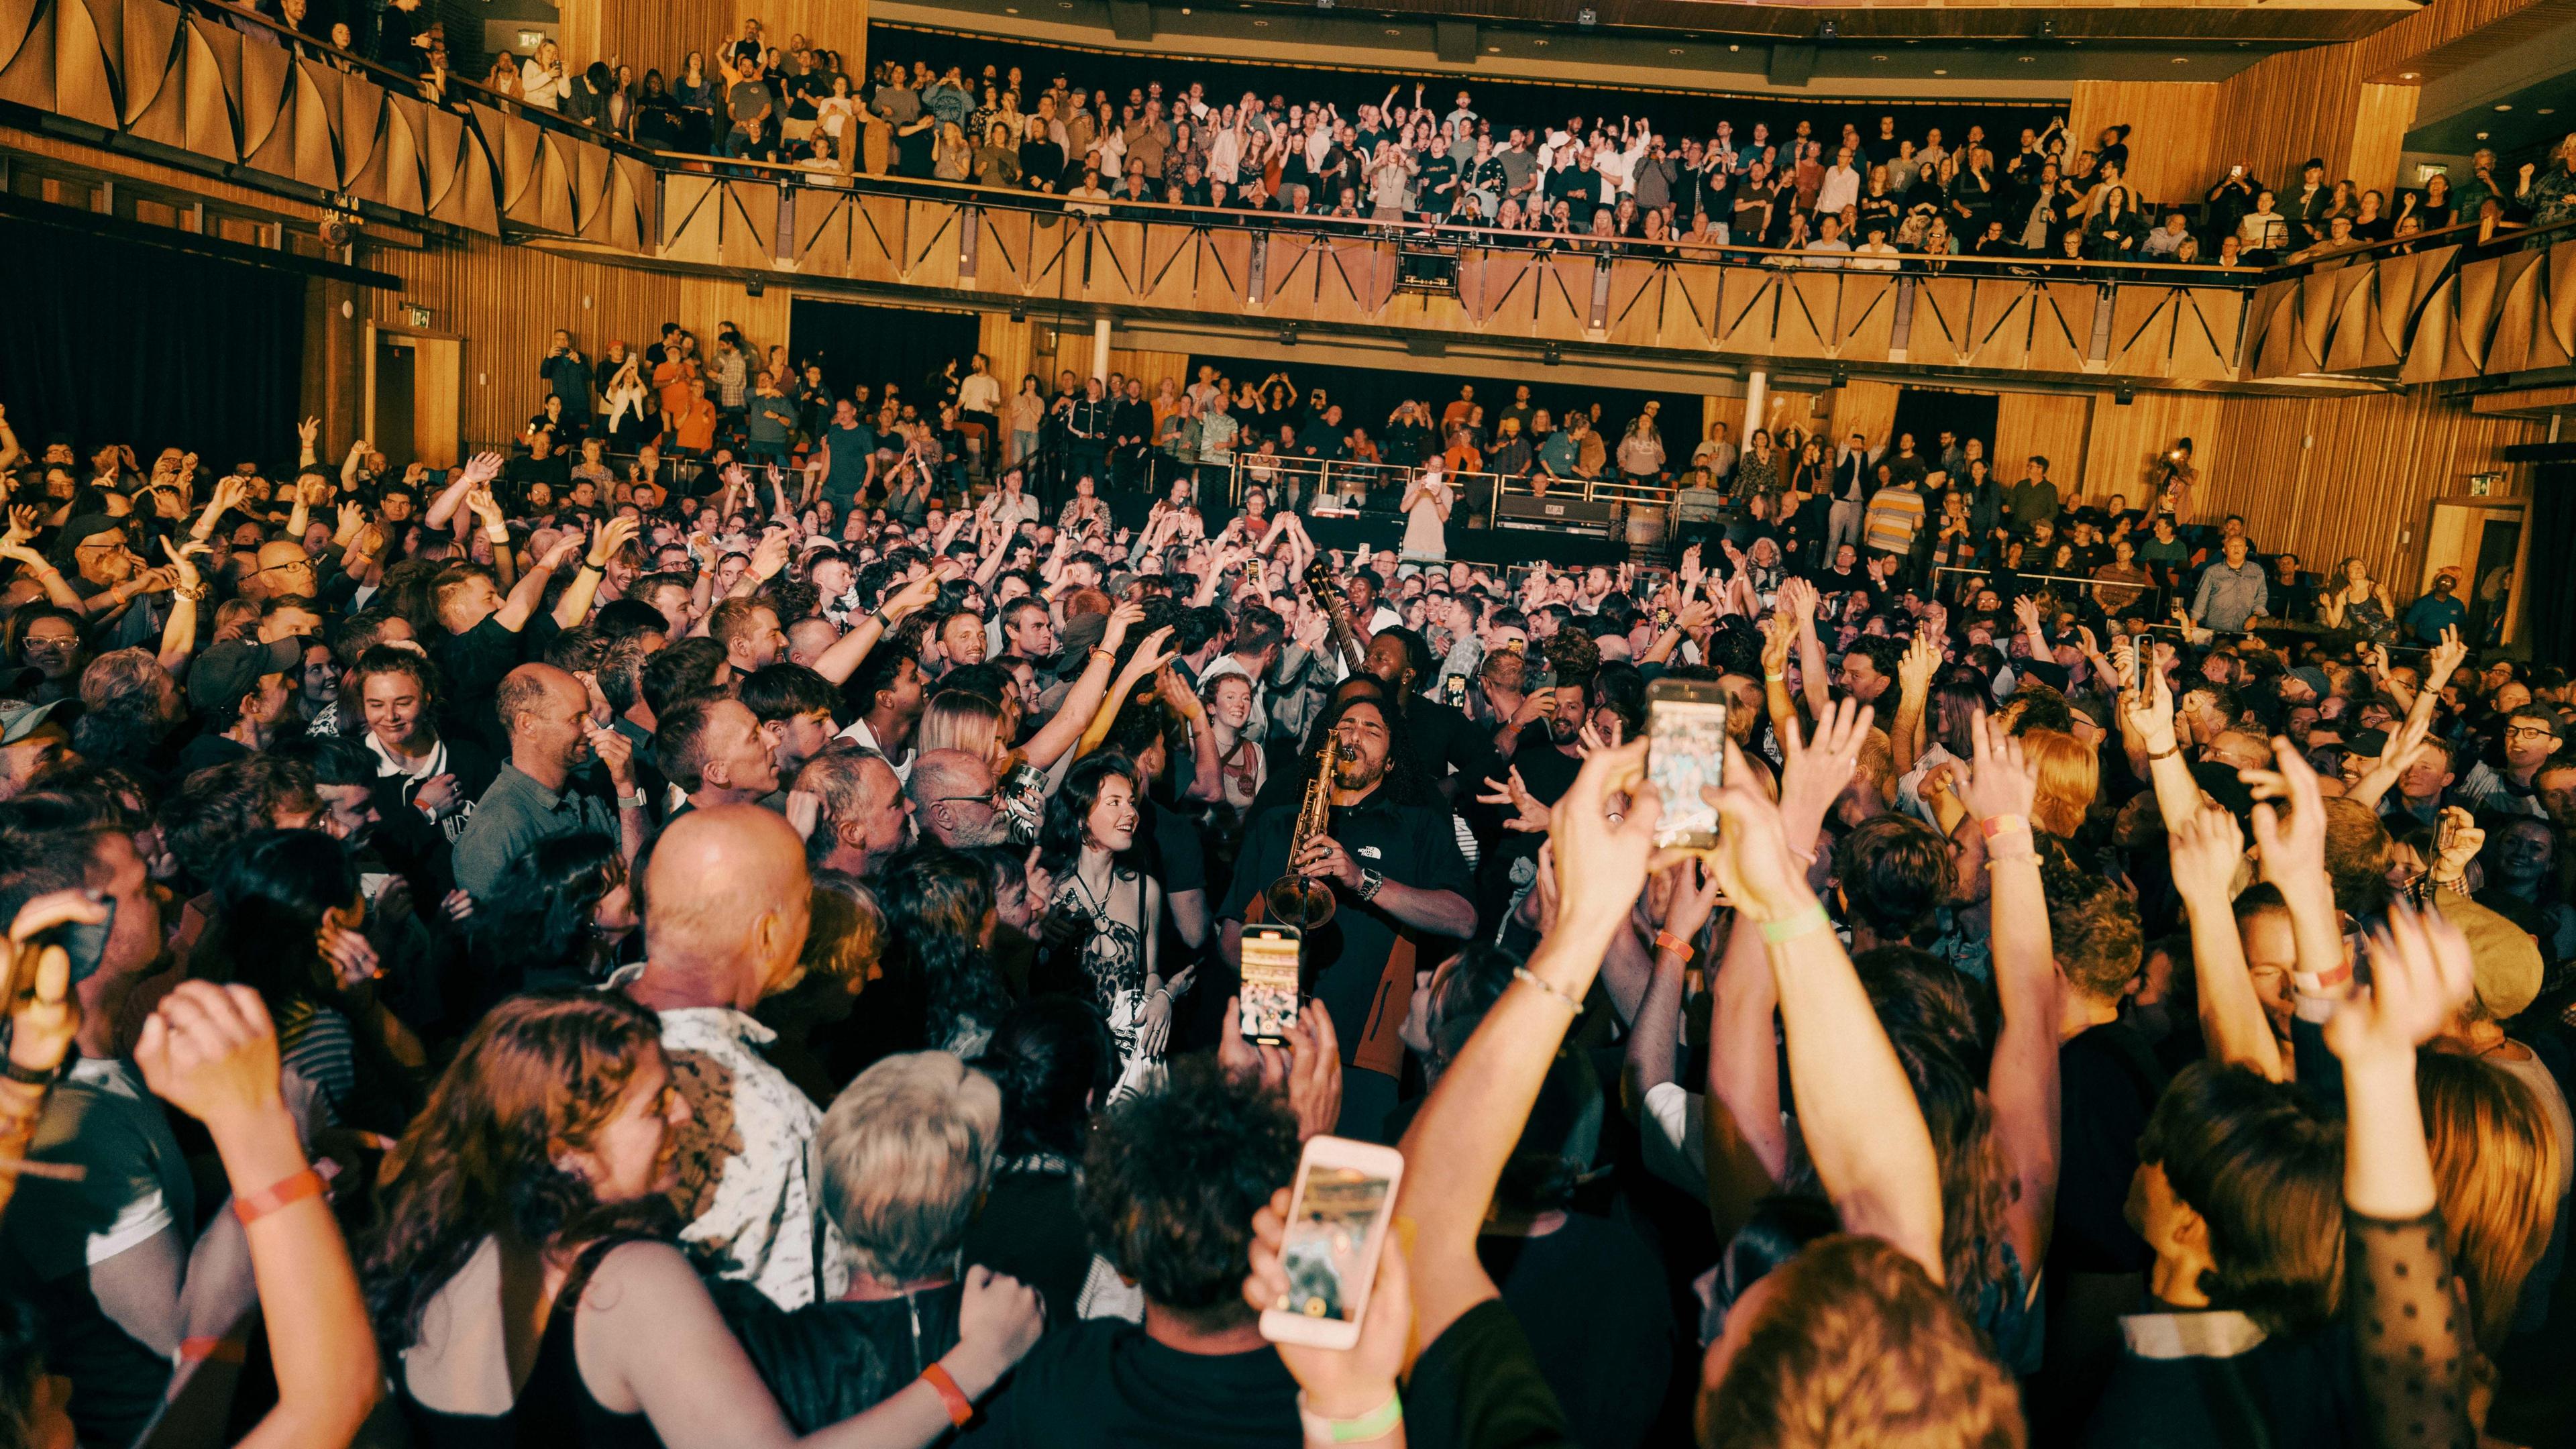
[
  {"x": 362, "y": 116},
  {"x": 823, "y": 233},
  {"x": 1867, "y": 321},
  {"x": 1002, "y": 249},
  {"x": 591, "y": 177},
  {"x": 399, "y": 156},
  {"x": 2517, "y": 313},
  {"x": 750, "y": 223},
  {"x": 559, "y": 212},
  {"x": 1564, "y": 296},
  {"x": 1111, "y": 263},
  {"x": 317, "y": 117},
  {"x": 519, "y": 138},
  {"x": 148, "y": 59},
  {"x": 85, "y": 43},
  {"x": 260, "y": 99},
  {"x": 1490, "y": 281},
  {"x": 2207, "y": 321},
  {"x": 1999, "y": 330},
  {"x": 28, "y": 78},
  {"x": 2320, "y": 292},
  {"x": 20, "y": 21},
  {"x": 2357, "y": 345},
  {"x": 210, "y": 76},
  {"x": 2432, "y": 343},
  {"x": 932, "y": 238},
  {"x": 2061, "y": 338},
  {"x": 2477, "y": 300},
  {"x": 1939, "y": 335},
  {"x": 1637, "y": 291},
  {"x": 1747, "y": 311},
  {"x": 2562, "y": 295}
]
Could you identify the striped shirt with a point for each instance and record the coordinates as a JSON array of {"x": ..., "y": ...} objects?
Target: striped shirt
[{"x": 1894, "y": 517}]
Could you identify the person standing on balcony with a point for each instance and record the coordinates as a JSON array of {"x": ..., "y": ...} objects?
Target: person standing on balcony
[
  {"x": 541, "y": 77},
  {"x": 1427, "y": 501},
  {"x": 1851, "y": 476},
  {"x": 567, "y": 376},
  {"x": 1641, "y": 450}
]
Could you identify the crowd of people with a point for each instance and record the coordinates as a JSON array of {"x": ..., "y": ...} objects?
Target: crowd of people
[
  {"x": 726, "y": 954},
  {"x": 1844, "y": 196}
]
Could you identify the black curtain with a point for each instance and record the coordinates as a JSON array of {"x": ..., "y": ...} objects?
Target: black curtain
[
  {"x": 115, "y": 341},
  {"x": 877, "y": 345},
  {"x": 2549, "y": 594}
]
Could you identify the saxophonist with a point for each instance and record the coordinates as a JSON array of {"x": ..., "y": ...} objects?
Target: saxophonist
[{"x": 1390, "y": 857}]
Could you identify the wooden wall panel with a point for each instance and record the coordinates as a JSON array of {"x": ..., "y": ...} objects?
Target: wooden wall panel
[
  {"x": 506, "y": 302},
  {"x": 2052, "y": 425},
  {"x": 2124, "y": 444},
  {"x": 2170, "y": 123},
  {"x": 645, "y": 33}
]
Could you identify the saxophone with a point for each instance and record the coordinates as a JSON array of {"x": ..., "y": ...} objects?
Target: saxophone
[{"x": 1293, "y": 899}]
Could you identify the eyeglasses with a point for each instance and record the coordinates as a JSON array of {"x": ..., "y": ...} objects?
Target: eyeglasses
[
  {"x": 987, "y": 798},
  {"x": 2529, "y": 732}
]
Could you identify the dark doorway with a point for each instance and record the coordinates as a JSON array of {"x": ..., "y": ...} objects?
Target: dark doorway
[
  {"x": 1925, "y": 411},
  {"x": 395, "y": 379},
  {"x": 906, "y": 346}
]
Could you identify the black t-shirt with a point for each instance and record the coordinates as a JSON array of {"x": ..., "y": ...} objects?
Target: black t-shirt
[
  {"x": 1412, "y": 845},
  {"x": 1443, "y": 738},
  {"x": 1030, "y": 1228},
  {"x": 207, "y": 750},
  {"x": 1545, "y": 769},
  {"x": 1106, "y": 1383},
  {"x": 1478, "y": 1386},
  {"x": 2108, "y": 1081},
  {"x": 1590, "y": 1299}
]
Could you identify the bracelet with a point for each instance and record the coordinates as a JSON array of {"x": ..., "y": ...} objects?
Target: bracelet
[
  {"x": 1994, "y": 825},
  {"x": 1524, "y": 974},
  {"x": 2027, "y": 857},
  {"x": 294, "y": 1189},
  {"x": 1775, "y": 678},
  {"x": 27, "y": 1076},
  {"x": 961, "y": 1409},
  {"x": 1799, "y": 923},
  {"x": 1099, "y": 653},
  {"x": 2166, "y": 753},
  {"x": 1376, "y": 1424},
  {"x": 1667, "y": 941}
]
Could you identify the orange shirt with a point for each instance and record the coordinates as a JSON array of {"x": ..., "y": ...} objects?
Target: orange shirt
[
  {"x": 695, "y": 423},
  {"x": 671, "y": 380}
]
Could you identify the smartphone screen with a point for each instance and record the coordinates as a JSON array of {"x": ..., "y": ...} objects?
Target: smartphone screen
[
  {"x": 1685, "y": 751},
  {"x": 1454, "y": 690},
  {"x": 1270, "y": 957},
  {"x": 1330, "y": 1251}
]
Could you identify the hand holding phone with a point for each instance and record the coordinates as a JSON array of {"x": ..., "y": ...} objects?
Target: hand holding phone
[
  {"x": 1320, "y": 1276},
  {"x": 1272, "y": 955},
  {"x": 1686, "y": 752}
]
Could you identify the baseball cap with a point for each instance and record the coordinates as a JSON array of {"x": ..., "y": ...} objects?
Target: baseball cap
[
  {"x": 2505, "y": 962},
  {"x": 233, "y": 668},
  {"x": 19, "y": 719},
  {"x": 80, "y": 531}
]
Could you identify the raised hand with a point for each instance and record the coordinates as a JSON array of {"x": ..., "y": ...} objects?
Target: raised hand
[
  {"x": 482, "y": 468},
  {"x": 612, "y": 538},
  {"x": 2295, "y": 849},
  {"x": 1753, "y": 862},
  {"x": 2002, "y": 780},
  {"x": 1529, "y": 814},
  {"x": 1812, "y": 776},
  {"x": 182, "y": 570},
  {"x": 211, "y": 1051},
  {"x": 2421, "y": 973},
  {"x": 769, "y": 556},
  {"x": 2206, "y": 851},
  {"x": 2445, "y": 659}
]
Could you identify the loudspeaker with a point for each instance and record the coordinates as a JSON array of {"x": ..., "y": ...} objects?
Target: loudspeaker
[
  {"x": 1131, "y": 19},
  {"x": 1791, "y": 65},
  {"x": 1556, "y": 513},
  {"x": 1456, "y": 41}
]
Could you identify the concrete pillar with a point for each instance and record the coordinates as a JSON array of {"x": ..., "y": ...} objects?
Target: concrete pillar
[
  {"x": 1757, "y": 398},
  {"x": 1100, "y": 349}
]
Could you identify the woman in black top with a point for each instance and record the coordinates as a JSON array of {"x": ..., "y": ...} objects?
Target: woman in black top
[{"x": 1041, "y": 159}]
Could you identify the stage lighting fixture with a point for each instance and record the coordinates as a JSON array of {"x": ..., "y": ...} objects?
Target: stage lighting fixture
[
  {"x": 1828, "y": 30},
  {"x": 1587, "y": 17}
]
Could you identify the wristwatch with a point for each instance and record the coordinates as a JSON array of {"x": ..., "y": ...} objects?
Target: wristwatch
[
  {"x": 631, "y": 802},
  {"x": 1370, "y": 882}
]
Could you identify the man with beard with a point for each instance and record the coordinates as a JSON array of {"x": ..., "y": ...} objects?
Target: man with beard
[
  {"x": 1391, "y": 860},
  {"x": 1443, "y": 739},
  {"x": 1547, "y": 762}
]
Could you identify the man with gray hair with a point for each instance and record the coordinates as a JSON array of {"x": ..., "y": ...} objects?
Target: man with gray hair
[
  {"x": 851, "y": 809},
  {"x": 952, "y": 798}
]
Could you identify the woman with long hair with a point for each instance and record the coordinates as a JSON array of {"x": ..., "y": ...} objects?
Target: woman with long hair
[
  {"x": 2358, "y": 604},
  {"x": 538, "y": 1172},
  {"x": 560, "y": 918},
  {"x": 2500, "y": 1170},
  {"x": 1057, "y": 1064},
  {"x": 1105, "y": 917},
  {"x": 944, "y": 992},
  {"x": 286, "y": 922}
]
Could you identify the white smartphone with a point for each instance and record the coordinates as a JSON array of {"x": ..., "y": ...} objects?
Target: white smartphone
[
  {"x": 1685, "y": 751},
  {"x": 1271, "y": 981},
  {"x": 1337, "y": 1220}
]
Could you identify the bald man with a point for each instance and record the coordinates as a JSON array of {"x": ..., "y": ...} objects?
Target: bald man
[
  {"x": 952, "y": 798},
  {"x": 725, "y": 918},
  {"x": 537, "y": 796}
]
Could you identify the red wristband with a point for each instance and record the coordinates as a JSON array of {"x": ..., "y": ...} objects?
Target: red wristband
[
  {"x": 1994, "y": 825},
  {"x": 1667, "y": 941},
  {"x": 961, "y": 1409},
  {"x": 294, "y": 1189},
  {"x": 208, "y": 1348}
]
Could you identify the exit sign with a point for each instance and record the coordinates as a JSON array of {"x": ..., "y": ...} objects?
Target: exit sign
[{"x": 416, "y": 316}]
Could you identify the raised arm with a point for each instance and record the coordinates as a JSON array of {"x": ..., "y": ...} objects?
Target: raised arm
[
  {"x": 842, "y": 659},
  {"x": 211, "y": 1051},
  {"x": 2207, "y": 851},
  {"x": 2292, "y": 854},
  {"x": 179, "y": 635},
  {"x": 1856, "y": 1109},
  {"x": 521, "y": 605},
  {"x": 1455, "y": 1150},
  {"x": 480, "y": 469},
  {"x": 2021, "y": 1081},
  {"x": 574, "y": 606},
  {"x": 1815, "y": 681}
]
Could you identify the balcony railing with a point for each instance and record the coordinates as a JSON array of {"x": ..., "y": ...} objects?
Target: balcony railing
[{"x": 190, "y": 84}]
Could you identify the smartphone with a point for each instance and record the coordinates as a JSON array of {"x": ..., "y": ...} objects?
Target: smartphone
[
  {"x": 372, "y": 883},
  {"x": 1272, "y": 956},
  {"x": 1686, "y": 751},
  {"x": 1663, "y": 619},
  {"x": 1337, "y": 1219},
  {"x": 1454, "y": 690}
]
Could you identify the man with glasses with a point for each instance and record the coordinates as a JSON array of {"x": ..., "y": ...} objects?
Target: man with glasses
[
  {"x": 2531, "y": 736},
  {"x": 952, "y": 797}
]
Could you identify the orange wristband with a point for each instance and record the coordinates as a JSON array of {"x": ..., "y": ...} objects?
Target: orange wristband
[
  {"x": 1667, "y": 941},
  {"x": 961, "y": 1409},
  {"x": 292, "y": 1190},
  {"x": 208, "y": 1348}
]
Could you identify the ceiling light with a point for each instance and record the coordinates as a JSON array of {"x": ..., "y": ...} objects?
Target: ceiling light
[
  {"x": 2482, "y": 135},
  {"x": 1938, "y": 71},
  {"x": 2027, "y": 59},
  {"x": 1672, "y": 50},
  {"x": 2182, "y": 60},
  {"x": 2501, "y": 109},
  {"x": 1391, "y": 32},
  {"x": 2408, "y": 74},
  {"x": 1733, "y": 48},
  {"x": 2547, "y": 111},
  {"x": 1878, "y": 57}
]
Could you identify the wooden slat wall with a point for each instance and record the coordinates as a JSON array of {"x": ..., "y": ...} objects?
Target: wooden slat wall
[
  {"x": 707, "y": 302},
  {"x": 2121, "y": 450},
  {"x": 644, "y": 33},
  {"x": 506, "y": 302},
  {"x": 2171, "y": 125},
  {"x": 2050, "y": 425},
  {"x": 2334, "y": 476}
]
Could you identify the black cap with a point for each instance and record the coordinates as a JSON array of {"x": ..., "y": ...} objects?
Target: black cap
[{"x": 233, "y": 668}]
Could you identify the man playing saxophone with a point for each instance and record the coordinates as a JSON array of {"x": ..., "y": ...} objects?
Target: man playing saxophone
[{"x": 1387, "y": 852}]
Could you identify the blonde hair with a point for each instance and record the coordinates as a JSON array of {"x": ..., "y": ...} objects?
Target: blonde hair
[
  {"x": 2069, "y": 776},
  {"x": 2495, "y": 1164},
  {"x": 847, "y": 933},
  {"x": 958, "y": 719},
  {"x": 1858, "y": 1346},
  {"x": 902, "y": 1157}
]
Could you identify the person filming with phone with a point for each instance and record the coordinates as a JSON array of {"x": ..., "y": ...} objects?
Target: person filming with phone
[{"x": 1390, "y": 858}]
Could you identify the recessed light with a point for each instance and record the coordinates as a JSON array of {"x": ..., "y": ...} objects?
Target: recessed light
[
  {"x": 1390, "y": 32},
  {"x": 1493, "y": 50},
  {"x": 2027, "y": 59},
  {"x": 1261, "y": 22},
  {"x": 2408, "y": 74},
  {"x": 1938, "y": 71},
  {"x": 1732, "y": 48},
  {"x": 2182, "y": 60},
  {"x": 1878, "y": 57},
  {"x": 2502, "y": 109},
  {"x": 1668, "y": 50},
  {"x": 2482, "y": 135},
  {"x": 2546, "y": 111}
]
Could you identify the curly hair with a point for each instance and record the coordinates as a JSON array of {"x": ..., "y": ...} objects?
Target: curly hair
[
  {"x": 1859, "y": 1346},
  {"x": 1171, "y": 1181},
  {"x": 1895, "y": 871},
  {"x": 542, "y": 1070},
  {"x": 1052, "y": 1056}
]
